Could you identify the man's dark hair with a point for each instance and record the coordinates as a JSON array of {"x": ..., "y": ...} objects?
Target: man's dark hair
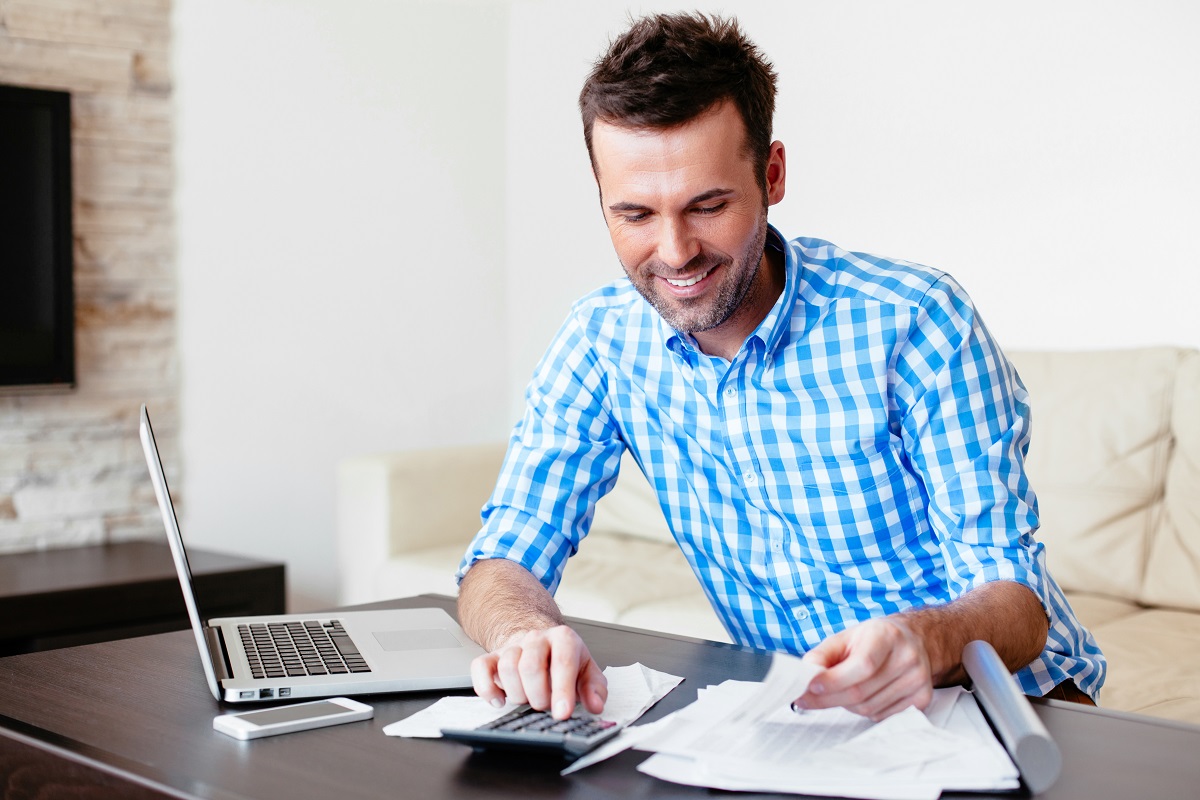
[{"x": 668, "y": 69}]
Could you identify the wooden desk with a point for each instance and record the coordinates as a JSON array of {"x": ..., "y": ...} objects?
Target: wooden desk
[
  {"x": 80, "y": 595},
  {"x": 134, "y": 718}
]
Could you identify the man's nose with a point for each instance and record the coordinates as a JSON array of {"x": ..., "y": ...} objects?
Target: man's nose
[{"x": 677, "y": 245}]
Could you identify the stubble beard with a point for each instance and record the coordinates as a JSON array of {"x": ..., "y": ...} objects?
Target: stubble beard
[{"x": 696, "y": 315}]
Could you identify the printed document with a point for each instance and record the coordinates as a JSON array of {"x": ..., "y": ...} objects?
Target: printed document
[{"x": 744, "y": 736}]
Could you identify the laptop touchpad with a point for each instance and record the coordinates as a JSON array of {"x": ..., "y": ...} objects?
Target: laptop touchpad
[{"x": 431, "y": 639}]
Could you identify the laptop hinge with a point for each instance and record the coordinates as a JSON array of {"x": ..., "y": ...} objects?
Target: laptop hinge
[{"x": 216, "y": 649}]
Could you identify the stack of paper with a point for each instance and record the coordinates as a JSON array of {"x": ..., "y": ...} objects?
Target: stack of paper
[{"x": 744, "y": 736}]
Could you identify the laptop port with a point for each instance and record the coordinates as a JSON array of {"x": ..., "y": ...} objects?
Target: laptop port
[
  {"x": 263, "y": 694},
  {"x": 285, "y": 692}
]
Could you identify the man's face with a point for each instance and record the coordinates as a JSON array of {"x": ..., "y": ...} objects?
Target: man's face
[{"x": 688, "y": 221}]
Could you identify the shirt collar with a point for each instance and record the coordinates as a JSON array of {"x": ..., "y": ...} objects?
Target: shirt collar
[{"x": 778, "y": 322}]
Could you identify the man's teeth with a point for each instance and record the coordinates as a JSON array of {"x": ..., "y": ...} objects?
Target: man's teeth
[{"x": 689, "y": 281}]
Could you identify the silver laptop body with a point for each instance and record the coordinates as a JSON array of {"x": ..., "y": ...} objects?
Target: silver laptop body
[{"x": 398, "y": 650}]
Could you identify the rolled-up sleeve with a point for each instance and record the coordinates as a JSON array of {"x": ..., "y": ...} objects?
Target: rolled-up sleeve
[
  {"x": 967, "y": 425},
  {"x": 966, "y": 422},
  {"x": 562, "y": 457}
]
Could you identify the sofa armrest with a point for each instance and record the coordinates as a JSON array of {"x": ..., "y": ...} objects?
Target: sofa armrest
[{"x": 396, "y": 503}]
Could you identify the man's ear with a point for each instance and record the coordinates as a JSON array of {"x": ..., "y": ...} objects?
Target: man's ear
[{"x": 776, "y": 173}]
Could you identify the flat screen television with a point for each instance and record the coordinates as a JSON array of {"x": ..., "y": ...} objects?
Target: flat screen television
[{"x": 37, "y": 307}]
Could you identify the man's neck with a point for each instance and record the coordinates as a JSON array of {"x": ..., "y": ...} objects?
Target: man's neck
[{"x": 725, "y": 340}]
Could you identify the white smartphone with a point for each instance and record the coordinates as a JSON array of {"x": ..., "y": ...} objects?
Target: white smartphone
[{"x": 295, "y": 717}]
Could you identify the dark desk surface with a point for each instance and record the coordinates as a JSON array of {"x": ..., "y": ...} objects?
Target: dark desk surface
[{"x": 134, "y": 717}]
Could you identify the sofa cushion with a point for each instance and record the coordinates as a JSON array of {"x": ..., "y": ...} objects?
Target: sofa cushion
[
  {"x": 1098, "y": 459},
  {"x": 428, "y": 571},
  {"x": 631, "y": 508},
  {"x": 1094, "y": 610},
  {"x": 613, "y": 573},
  {"x": 1175, "y": 552},
  {"x": 1152, "y": 658}
]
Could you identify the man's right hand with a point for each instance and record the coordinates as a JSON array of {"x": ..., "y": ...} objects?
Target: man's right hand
[{"x": 549, "y": 669}]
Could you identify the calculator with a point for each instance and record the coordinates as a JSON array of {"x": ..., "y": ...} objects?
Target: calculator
[{"x": 525, "y": 728}]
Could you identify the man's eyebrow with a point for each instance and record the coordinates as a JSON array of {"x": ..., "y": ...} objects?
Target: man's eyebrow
[
  {"x": 703, "y": 197},
  {"x": 619, "y": 207}
]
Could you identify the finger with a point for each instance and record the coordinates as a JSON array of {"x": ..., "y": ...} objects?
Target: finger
[
  {"x": 896, "y": 697},
  {"x": 882, "y": 713},
  {"x": 856, "y": 663},
  {"x": 483, "y": 679},
  {"x": 858, "y": 671},
  {"x": 899, "y": 684},
  {"x": 882, "y": 702},
  {"x": 569, "y": 659},
  {"x": 907, "y": 682},
  {"x": 534, "y": 670},
  {"x": 829, "y": 652},
  {"x": 593, "y": 687},
  {"x": 851, "y": 696},
  {"x": 508, "y": 676}
]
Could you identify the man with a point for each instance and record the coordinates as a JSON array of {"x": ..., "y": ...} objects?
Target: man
[{"x": 836, "y": 442}]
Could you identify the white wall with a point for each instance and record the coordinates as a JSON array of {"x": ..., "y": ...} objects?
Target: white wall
[
  {"x": 1043, "y": 153},
  {"x": 341, "y": 250},
  {"x": 385, "y": 208}
]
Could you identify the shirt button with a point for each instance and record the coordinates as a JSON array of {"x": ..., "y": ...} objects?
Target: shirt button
[
  {"x": 801, "y": 613},
  {"x": 777, "y": 546},
  {"x": 751, "y": 479},
  {"x": 731, "y": 392}
]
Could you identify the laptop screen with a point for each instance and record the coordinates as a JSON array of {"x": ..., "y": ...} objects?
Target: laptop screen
[{"x": 175, "y": 540}]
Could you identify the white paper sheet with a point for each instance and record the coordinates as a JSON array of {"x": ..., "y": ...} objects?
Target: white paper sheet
[
  {"x": 449, "y": 712},
  {"x": 680, "y": 769},
  {"x": 631, "y": 691}
]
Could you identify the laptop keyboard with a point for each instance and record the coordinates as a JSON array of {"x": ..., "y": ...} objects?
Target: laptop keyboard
[{"x": 303, "y": 647}]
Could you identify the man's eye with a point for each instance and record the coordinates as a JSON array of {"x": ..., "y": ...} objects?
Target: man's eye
[
  {"x": 710, "y": 209},
  {"x": 637, "y": 217}
]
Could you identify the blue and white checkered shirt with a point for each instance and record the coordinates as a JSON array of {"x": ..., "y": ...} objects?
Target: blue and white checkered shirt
[{"x": 862, "y": 454}]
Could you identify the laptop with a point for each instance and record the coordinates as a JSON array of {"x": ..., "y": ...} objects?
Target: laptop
[{"x": 259, "y": 658}]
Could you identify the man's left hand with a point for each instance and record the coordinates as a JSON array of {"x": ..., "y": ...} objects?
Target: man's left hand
[{"x": 876, "y": 668}]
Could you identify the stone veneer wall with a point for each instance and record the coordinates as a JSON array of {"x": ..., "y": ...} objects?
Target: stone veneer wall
[{"x": 71, "y": 469}]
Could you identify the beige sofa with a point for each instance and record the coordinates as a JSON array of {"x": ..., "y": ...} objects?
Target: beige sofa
[{"x": 1115, "y": 460}]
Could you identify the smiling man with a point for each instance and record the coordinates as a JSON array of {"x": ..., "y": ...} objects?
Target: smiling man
[{"x": 835, "y": 440}]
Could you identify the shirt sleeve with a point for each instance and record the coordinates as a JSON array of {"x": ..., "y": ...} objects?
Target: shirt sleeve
[
  {"x": 966, "y": 423},
  {"x": 562, "y": 457},
  {"x": 966, "y": 431}
]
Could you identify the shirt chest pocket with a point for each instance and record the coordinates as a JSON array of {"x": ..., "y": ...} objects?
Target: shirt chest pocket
[
  {"x": 853, "y": 511},
  {"x": 867, "y": 485}
]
